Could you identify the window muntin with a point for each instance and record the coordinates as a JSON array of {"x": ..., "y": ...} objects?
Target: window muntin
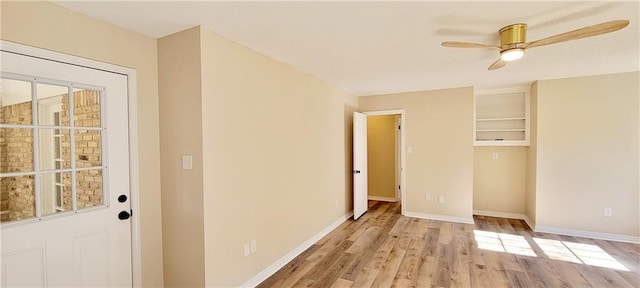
[{"x": 55, "y": 165}]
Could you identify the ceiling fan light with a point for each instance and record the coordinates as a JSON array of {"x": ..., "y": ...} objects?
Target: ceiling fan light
[{"x": 511, "y": 54}]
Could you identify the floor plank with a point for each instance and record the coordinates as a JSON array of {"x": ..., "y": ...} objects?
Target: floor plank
[{"x": 385, "y": 249}]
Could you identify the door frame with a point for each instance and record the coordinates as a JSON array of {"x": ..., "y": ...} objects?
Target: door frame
[
  {"x": 134, "y": 184},
  {"x": 403, "y": 152}
]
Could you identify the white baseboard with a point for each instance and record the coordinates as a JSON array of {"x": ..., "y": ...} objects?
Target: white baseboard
[
  {"x": 465, "y": 220},
  {"x": 380, "y": 198},
  {"x": 499, "y": 214},
  {"x": 529, "y": 222},
  {"x": 589, "y": 234},
  {"x": 561, "y": 231},
  {"x": 506, "y": 215},
  {"x": 273, "y": 268}
]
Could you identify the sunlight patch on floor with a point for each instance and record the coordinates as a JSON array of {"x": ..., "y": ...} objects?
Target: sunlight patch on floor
[
  {"x": 578, "y": 253},
  {"x": 502, "y": 242}
]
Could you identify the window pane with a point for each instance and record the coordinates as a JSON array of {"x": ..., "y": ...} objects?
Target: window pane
[
  {"x": 15, "y": 102},
  {"x": 18, "y": 198},
  {"x": 55, "y": 192},
  {"x": 88, "y": 148},
  {"x": 53, "y": 99},
  {"x": 16, "y": 150},
  {"x": 86, "y": 112},
  {"x": 55, "y": 151},
  {"x": 89, "y": 188}
]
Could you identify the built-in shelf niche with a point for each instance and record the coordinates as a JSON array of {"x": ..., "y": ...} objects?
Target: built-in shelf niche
[{"x": 502, "y": 117}]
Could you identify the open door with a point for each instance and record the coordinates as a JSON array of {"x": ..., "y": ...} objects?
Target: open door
[{"x": 359, "y": 164}]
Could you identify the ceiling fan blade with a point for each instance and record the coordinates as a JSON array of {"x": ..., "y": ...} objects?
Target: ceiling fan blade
[
  {"x": 456, "y": 44},
  {"x": 588, "y": 31},
  {"x": 498, "y": 64}
]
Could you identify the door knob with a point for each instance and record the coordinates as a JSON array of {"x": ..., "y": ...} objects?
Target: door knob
[
  {"x": 124, "y": 215},
  {"x": 356, "y": 171}
]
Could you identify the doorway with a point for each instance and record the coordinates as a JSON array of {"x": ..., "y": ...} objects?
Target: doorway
[
  {"x": 379, "y": 158},
  {"x": 383, "y": 159}
]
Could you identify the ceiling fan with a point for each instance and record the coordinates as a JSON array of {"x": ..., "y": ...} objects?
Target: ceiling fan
[{"x": 513, "y": 40}]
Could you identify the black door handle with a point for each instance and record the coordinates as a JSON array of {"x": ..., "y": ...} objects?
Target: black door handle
[
  {"x": 356, "y": 171},
  {"x": 124, "y": 215}
]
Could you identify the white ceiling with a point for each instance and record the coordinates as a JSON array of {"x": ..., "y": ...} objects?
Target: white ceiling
[{"x": 368, "y": 48}]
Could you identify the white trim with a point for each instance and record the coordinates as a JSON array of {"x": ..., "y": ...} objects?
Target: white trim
[
  {"x": 134, "y": 179},
  {"x": 381, "y": 198},
  {"x": 403, "y": 160},
  {"x": 273, "y": 268},
  {"x": 589, "y": 234},
  {"x": 464, "y": 220},
  {"x": 529, "y": 222},
  {"x": 506, "y": 215},
  {"x": 398, "y": 155},
  {"x": 133, "y": 133}
]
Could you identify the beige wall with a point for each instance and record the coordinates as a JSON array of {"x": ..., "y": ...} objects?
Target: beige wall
[
  {"x": 439, "y": 129},
  {"x": 500, "y": 185},
  {"x": 273, "y": 147},
  {"x": 181, "y": 133},
  {"x": 48, "y": 26},
  {"x": 381, "y": 155},
  {"x": 532, "y": 157},
  {"x": 587, "y": 153}
]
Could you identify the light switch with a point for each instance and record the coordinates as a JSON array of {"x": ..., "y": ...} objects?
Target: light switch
[
  {"x": 187, "y": 162},
  {"x": 495, "y": 155},
  {"x": 409, "y": 149}
]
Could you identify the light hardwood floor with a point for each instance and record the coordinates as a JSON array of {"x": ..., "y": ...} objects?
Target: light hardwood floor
[{"x": 385, "y": 249}]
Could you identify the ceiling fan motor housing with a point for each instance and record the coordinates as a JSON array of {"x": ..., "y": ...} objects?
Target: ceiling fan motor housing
[{"x": 513, "y": 36}]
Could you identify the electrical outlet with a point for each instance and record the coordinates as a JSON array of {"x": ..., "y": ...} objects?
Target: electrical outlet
[
  {"x": 427, "y": 197},
  {"x": 254, "y": 246},
  {"x": 608, "y": 212},
  {"x": 441, "y": 199},
  {"x": 247, "y": 250}
]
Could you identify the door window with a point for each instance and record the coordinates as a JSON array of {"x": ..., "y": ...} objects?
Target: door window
[{"x": 51, "y": 148}]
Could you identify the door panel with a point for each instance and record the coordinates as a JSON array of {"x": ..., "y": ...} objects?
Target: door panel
[
  {"x": 359, "y": 164},
  {"x": 69, "y": 234},
  {"x": 24, "y": 268}
]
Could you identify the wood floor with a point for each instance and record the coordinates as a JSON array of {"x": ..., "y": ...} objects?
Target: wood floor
[{"x": 385, "y": 249}]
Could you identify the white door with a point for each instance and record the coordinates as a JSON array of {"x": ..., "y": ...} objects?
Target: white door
[
  {"x": 64, "y": 178},
  {"x": 359, "y": 164}
]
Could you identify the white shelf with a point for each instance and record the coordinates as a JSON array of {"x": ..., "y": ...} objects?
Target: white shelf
[
  {"x": 501, "y": 130},
  {"x": 502, "y": 117}
]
